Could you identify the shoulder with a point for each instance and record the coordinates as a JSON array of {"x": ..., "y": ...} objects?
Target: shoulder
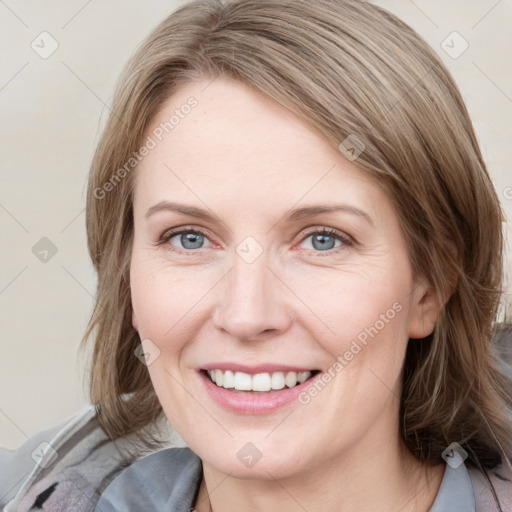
[
  {"x": 165, "y": 480},
  {"x": 25, "y": 467},
  {"x": 501, "y": 479},
  {"x": 16, "y": 465},
  {"x": 64, "y": 468}
]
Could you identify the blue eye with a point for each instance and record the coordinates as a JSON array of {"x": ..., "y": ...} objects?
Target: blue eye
[
  {"x": 321, "y": 238},
  {"x": 189, "y": 238},
  {"x": 192, "y": 239}
]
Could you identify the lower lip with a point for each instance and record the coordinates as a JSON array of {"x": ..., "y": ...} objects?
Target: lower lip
[{"x": 251, "y": 402}]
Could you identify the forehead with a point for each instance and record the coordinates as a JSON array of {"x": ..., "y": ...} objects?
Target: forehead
[{"x": 239, "y": 145}]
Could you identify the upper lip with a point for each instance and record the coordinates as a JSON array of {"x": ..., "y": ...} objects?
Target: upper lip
[{"x": 259, "y": 368}]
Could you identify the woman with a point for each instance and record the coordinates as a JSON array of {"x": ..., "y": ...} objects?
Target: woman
[{"x": 256, "y": 149}]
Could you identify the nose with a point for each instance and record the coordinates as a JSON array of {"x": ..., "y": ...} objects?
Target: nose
[{"x": 253, "y": 304}]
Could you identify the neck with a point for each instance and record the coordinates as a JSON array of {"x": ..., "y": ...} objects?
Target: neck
[{"x": 385, "y": 479}]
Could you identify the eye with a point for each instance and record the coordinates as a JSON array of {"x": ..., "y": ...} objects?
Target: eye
[
  {"x": 189, "y": 238},
  {"x": 192, "y": 239},
  {"x": 322, "y": 239}
]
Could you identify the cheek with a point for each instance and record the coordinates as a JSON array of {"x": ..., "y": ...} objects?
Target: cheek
[
  {"x": 161, "y": 296},
  {"x": 349, "y": 305},
  {"x": 163, "y": 301},
  {"x": 366, "y": 337}
]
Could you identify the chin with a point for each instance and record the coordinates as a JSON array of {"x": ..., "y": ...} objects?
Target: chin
[{"x": 255, "y": 460}]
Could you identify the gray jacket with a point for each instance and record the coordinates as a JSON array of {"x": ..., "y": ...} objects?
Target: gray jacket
[{"x": 75, "y": 468}]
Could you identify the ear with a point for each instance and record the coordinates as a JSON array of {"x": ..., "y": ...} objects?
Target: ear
[
  {"x": 134, "y": 320},
  {"x": 424, "y": 310}
]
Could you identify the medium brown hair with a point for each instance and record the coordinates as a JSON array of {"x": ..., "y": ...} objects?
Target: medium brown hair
[{"x": 348, "y": 69}]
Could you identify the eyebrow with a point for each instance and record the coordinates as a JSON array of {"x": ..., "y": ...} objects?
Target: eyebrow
[{"x": 293, "y": 216}]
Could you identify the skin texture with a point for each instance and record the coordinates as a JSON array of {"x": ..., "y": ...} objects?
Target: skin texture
[{"x": 248, "y": 160}]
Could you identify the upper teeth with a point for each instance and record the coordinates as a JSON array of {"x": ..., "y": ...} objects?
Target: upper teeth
[{"x": 259, "y": 382}]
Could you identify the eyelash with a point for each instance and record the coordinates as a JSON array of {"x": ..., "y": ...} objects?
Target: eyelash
[{"x": 345, "y": 239}]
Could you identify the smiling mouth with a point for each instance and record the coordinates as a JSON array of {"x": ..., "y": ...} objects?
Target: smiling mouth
[{"x": 241, "y": 382}]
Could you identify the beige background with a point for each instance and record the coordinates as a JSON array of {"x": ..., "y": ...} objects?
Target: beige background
[{"x": 53, "y": 110}]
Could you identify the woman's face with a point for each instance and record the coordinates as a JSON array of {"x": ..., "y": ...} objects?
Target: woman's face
[{"x": 261, "y": 291}]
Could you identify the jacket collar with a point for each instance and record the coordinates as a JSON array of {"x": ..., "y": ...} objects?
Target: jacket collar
[{"x": 170, "y": 479}]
